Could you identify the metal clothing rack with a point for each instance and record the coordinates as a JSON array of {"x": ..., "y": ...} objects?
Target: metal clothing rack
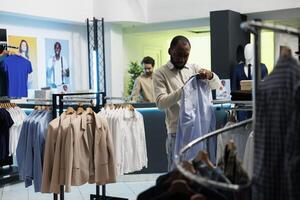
[
  {"x": 199, "y": 179},
  {"x": 58, "y": 102},
  {"x": 238, "y": 105},
  {"x": 254, "y": 27}
]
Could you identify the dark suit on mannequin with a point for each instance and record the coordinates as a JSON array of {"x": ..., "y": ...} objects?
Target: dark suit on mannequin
[{"x": 239, "y": 74}]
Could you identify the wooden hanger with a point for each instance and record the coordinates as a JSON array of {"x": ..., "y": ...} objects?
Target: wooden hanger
[
  {"x": 80, "y": 109},
  {"x": 70, "y": 111},
  {"x": 203, "y": 156},
  {"x": 130, "y": 107},
  {"x": 89, "y": 110}
]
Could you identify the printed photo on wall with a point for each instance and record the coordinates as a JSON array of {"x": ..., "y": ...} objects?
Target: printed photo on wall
[
  {"x": 57, "y": 62},
  {"x": 27, "y": 48},
  {"x": 224, "y": 92}
]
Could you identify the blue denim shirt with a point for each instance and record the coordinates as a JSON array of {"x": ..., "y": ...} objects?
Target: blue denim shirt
[
  {"x": 22, "y": 145},
  {"x": 30, "y": 150},
  {"x": 196, "y": 117}
]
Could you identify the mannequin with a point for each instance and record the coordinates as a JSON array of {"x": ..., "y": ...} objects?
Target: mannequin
[
  {"x": 244, "y": 71},
  {"x": 241, "y": 71}
]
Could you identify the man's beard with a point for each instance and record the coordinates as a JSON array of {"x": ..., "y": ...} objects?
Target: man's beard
[{"x": 179, "y": 67}]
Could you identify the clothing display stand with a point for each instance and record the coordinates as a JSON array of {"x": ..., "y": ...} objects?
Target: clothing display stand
[
  {"x": 8, "y": 174},
  {"x": 58, "y": 103},
  {"x": 254, "y": 27}
]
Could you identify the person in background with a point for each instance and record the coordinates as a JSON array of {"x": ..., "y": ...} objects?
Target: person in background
[
  {"x": 24, "y": 49},
  {"x": 168, "y": 82},
  {"x": 57, "y": 70},
  {"x": 143, "y": 86}
]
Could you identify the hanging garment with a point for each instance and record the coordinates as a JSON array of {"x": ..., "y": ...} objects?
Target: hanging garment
[
  {"x": 17, "y": 69},
  {"x": 232, "y": 166},
  {"x": 196, "y": 118},
  {"x": 78, "y": 150},
  {"x": 238, "y": 135},
  {"x": 18, "y": 116},
  {"x": 248, "y": 161},
  {"x": 276, "y": 155},
  {"x": 30, "y": 148},
  {"x": 128, "y": 133},
  {"x": 6, "y": 122}
]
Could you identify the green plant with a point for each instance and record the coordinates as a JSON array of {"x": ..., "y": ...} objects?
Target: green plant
[{"x": 134, "y": 71}]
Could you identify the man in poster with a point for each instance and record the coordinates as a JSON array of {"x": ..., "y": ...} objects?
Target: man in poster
[{"x": 58, "y": 72}]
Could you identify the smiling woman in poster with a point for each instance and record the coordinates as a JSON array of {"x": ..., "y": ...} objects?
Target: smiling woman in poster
[
  {"x": 24, "y": 52},
  {"x": 57, "y": 70},
  {"x": 24, "y": 49}
]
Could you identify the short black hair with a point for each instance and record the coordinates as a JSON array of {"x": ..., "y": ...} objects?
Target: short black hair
[
  {"x": 179, "y": 38},
  {"x": 148, "y": 60}
]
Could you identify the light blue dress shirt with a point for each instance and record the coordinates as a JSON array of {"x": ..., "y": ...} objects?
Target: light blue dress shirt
[{"x": 196, "y": 118}]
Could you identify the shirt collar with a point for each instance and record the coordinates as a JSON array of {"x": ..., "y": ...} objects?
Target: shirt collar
[{"x": 171, "y": 66}]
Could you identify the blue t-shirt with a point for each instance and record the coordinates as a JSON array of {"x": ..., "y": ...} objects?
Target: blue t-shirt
[{"x": 17, "y": 69}]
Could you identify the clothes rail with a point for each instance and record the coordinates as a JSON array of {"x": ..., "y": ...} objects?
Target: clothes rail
[
  {"x": 58, "y": 103},
  {"x": 199, "y": 179},
  {"x": 255, "y": 28}
]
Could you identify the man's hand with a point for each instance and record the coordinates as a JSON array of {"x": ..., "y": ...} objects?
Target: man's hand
[{"x": 205, "y": 74}]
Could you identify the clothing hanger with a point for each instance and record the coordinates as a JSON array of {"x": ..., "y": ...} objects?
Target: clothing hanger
[
  {"x": 70, "y": 111},
  {"x": 203, "y": 156},
  {"x": 80, "y": 109},
  {"x": 89, "y": 110}
]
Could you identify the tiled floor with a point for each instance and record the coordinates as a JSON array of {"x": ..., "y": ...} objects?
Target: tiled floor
[{"x": 128, "y": 186}]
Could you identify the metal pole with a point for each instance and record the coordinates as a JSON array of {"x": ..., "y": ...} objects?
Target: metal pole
[
  {"x": 104, "y": 191},
  {"x": 104, "y": 67},
  {"x": 62, "y": 194},
  {"x": 97, "y": 53},
  {"x": 257, "y": 70},
  {"x": 89, "y": 52},
  {"x": 61, "y": 104},
  {"x": 54, "y": 106}
]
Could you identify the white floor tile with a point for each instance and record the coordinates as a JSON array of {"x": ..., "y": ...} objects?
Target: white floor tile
[
  {"x": 115, "y": 189},
  {"x": 16, "y": 191},
  {"x": 138, "y": 187},
  {"x": 129, "y": 188}
]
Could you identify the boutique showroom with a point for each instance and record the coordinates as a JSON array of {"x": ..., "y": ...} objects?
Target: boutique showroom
[{"x": 149, "y": 100}]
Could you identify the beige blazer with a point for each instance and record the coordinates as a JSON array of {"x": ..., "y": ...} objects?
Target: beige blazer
[
  {"x": 89, "y": 152},
  {"x": 58, "y": 171},
  {"x": 49, "y": 154}
]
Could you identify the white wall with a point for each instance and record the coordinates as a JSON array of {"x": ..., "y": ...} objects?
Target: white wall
[
  {"x": 121, "y": 10},
  {"x": 171, "y": 10},
  {"x": 66, "y": 10},
  {"x": 114, "y": 60},
  {"x": 285, "y": 40},
  {"x": 75, "y": 34}
]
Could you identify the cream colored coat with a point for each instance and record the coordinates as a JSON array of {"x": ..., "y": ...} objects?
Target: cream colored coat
[{"x": 79, "y": 149}]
